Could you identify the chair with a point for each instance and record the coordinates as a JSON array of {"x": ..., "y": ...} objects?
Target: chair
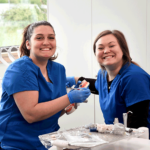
[{"x": 9, "y": 50}]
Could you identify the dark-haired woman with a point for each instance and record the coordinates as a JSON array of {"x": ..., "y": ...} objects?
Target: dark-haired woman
[
  {"x": 121, "y": 84},
  {"x": 34, "y": 91}
]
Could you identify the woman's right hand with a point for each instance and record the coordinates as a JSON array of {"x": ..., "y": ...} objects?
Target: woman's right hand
[{"x": 78, "y": 95}]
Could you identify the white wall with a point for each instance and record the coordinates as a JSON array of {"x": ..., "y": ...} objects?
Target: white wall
[
  {"x": 2, "y": 70},
  {"x": 148, "y": 35},
  {"x": 72, "y": 24},
  {"x": 77, "y": 22}
]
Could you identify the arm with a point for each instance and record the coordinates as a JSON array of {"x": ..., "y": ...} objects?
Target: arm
[
  {"x": 92, "y": 84},
  {"x": 139, "y": 116},
  {"x": 32, "y": 111},
  {"x": 134, "y": 90}
]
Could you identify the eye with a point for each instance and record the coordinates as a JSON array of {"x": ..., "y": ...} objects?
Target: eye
[
  {"x": 51, "y": 38},
  {"x": 39, "y": 38},
  {"x": 100, "y": 48},
  {"x": 111, "y": 45}
]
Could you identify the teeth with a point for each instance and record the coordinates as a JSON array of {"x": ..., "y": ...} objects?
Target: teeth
[
  {"x": 108, "y": 57},
  {"x": 45, "y": 49}
]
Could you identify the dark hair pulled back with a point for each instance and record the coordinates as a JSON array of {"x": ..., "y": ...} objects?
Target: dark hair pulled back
[{"x": 27, "y": 33}]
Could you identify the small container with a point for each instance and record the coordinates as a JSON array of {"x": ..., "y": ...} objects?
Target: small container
[
  {"x": 116, "y": 120},
  {"x": 70, "y": 109}
]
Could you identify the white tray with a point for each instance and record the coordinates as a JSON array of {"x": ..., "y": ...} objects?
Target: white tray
[{"x": 106, "y": 138}]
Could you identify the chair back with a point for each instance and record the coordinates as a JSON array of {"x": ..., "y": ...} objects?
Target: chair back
[{"x": 8, "y": 54}]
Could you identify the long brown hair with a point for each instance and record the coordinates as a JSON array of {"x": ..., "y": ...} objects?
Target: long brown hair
[
  {"x": 122, "y": 42},
  {"x": 27, "y": 33}
]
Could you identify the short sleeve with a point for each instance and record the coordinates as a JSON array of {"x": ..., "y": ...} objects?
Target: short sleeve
[
  {"x": 20, "y": 76},
  {"x": 135, "y": 88}
]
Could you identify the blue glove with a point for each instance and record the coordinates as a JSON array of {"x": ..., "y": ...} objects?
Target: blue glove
[
  {"x": 70, "y": 81},
  {"x": 77, "y": 85},
  {"x": 78, "y": 96}
]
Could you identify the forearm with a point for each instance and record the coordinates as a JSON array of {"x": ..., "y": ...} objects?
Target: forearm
[
  {"x": 139, "y": 116},
  {"x": 33, "y": 111},
  {"x": 76, "y": 79},
  {"x": 47, "y": 109}
]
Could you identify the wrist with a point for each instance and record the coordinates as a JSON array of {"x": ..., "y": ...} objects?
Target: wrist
[
  {"x": 70, "y": 98},
  {"x": 76, "y": 79}
]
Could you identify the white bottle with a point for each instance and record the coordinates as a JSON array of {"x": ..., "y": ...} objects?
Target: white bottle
[{"x": 116, "y": 120}]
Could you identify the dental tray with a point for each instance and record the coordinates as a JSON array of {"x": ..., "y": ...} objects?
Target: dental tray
[{"x": 82, "y": 137}]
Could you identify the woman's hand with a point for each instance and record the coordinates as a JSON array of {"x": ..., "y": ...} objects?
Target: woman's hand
[
  {"x": 70, "y": 81},
  {"x": 79, "y": 95}
]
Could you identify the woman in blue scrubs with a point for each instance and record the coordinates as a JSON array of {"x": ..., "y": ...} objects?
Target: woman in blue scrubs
[
  {"x": 121, "y": 84},
  {"x": 34, "y": 91}
]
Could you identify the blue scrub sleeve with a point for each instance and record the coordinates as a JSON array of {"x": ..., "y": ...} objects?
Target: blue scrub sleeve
[
  {"x": 19, "y": 78},
  {"x": 135, "y": 88},
  {"x": 97, "y": 81}
]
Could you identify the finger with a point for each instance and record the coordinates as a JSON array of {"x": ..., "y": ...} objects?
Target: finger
[
  {"x": 86, "y": 90},
  {"x": 77, "y": 85},
  {"x": 87, "y": 94}
]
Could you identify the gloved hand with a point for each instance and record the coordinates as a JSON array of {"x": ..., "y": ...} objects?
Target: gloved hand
[
  {"x": 78, "y": 96},
  {"x": 77, "y": 85},
  {"x": 70, "y": 81}
]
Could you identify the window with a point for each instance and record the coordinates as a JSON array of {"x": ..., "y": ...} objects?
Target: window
[{"x": 15, "y": 15}]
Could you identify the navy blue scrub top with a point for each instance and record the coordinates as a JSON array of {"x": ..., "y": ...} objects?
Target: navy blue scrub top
[
  {"x": 130, "y": 86},
  {"x": 24, "y": 75}
]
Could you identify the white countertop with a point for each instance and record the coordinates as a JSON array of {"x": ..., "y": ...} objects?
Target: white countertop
[{"x": 127, "y": 144}]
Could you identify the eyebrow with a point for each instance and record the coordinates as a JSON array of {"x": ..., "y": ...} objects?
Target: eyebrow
[
  {"x": 48, "y": 34},
  {"x": 108, "y": 43}
]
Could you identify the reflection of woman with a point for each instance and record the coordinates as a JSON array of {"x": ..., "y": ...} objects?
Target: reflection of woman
[
  {"x": 34, "y": 91},
  {"x": 121, "y": 84}
]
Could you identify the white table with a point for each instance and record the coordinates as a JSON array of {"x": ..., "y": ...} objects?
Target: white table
[{"x": 127, "y": 144}]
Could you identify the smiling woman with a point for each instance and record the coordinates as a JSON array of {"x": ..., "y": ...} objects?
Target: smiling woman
[
  {"x": 34, "y": 92},
  {"x": 121, "y": 84},
  {"x": 109, "y": 54},
  {"x": 43, "y": 43}
]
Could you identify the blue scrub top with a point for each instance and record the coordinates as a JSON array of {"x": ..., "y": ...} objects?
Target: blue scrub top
[
  {"x": 130, "y": 86},
  {"x": 24, "y": 75}
]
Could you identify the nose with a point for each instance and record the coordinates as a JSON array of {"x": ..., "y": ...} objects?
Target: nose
[
  {"x": 46, "y": 41},
  {"x": 106, "y": 50}
]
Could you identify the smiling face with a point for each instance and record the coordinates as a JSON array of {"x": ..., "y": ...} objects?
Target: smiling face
[
  {"x": 108, "y": 52},
  {"x": 42, "y": 44}
]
